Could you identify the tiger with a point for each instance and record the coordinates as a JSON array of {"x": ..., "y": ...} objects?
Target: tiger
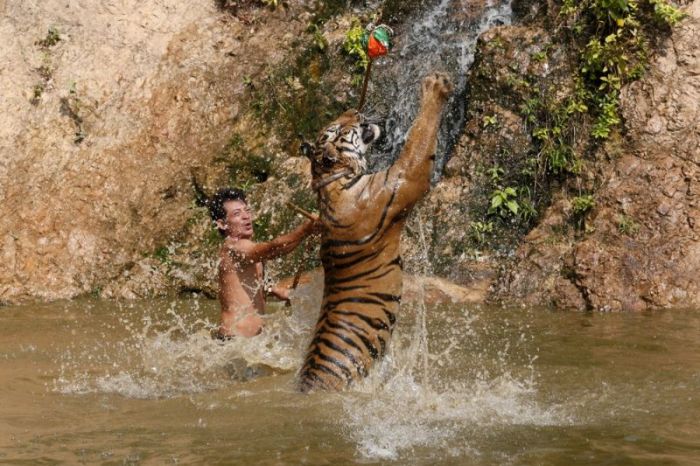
[{"x": 363, "y": 216}]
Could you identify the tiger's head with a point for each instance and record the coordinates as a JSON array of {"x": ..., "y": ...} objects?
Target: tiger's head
[{"x": 342, "y": 145}]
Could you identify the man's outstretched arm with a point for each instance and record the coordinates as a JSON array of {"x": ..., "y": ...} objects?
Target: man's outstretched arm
[{"x": 250, "y": 251}]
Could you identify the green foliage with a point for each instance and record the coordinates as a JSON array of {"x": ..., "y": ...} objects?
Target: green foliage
[
  {"x": 580, "y": 207},
  {"x": 212, "y": 237},
  {"x": 608, "y": 117},
  {"x": 248, "y": 169},
  {"x": 667, "y": 13},
  {"x": 261, "y": 227},
  {"x": 582, "y": 204},
  {"x": 37, "y": 91},
  {"x": 163, "y": 254},
  {"x": 626, "y": 225},
  {"x": 553, "y": 134},
  {"x": 480, "y": 231},
  {"x": 296, "y": 99},
  {"x": 320, "y": 41},
  {"x": 528, "y": 211},
  {"x": 52, "y": 38},
  {"x": 504, "y": 202},
  {"x": 489, "y": 120},
  {"x": 352, "y": 47},
  {"x": 495, "y": 174},
  {"x": 540, "y": 56},
  {"x": 616, "y": 34},
  {"x": 74, "y": 108},
  {"x": 612, "y": 41}
]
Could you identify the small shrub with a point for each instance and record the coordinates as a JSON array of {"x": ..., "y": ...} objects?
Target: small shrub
[
  {"x": 667, "y": 13},
  {"x": 504, "y": 202},
  {"x": 52, "y": 38},
  {"x": 489, "y": 120},
  {"x": 479, "y": 231},
  {"x": 352, "y": 46},
  {"x": 582, "y": 204},
  {"x": 626, "y": 225},
  {"x": 37, "y": 91}
]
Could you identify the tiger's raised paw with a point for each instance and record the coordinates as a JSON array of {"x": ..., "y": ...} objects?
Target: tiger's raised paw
[{"x": 437, "y": 85}]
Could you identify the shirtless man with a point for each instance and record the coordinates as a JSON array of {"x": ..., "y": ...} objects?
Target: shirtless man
[{"x": 241, "y": 288}]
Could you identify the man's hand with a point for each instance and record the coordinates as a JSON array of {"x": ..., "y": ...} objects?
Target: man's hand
[
  {"x": 280, "y": 293},
  {"x": 314, "y": 226}
]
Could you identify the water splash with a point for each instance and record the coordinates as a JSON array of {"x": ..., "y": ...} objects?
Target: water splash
[
  {"x": 414, "y": 399},
  {"x": 151, "y": 352}
]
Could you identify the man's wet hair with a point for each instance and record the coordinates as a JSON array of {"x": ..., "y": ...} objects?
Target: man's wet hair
[{"x": 216, "y": 203}]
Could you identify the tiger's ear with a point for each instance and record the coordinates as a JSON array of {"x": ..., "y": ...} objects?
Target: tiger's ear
[{"x": 307, "y": 149}]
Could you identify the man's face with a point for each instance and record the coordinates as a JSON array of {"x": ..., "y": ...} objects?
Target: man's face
[{"x": 238, "y": 221}]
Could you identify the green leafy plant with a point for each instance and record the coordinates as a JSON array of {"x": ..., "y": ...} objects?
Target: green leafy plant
[
  {"x": 582, "y": 204},
  {"x": 318, "y": 40},
  {"x": 479, "y": 231},
  {"x": 489, "y": 120},
  {"x": 37, "y": 91},
  {"x": 495, "y": 174},
  {"x": 352, "y": 46},
  {"x": 626, "y": 225},
  {"x": 52, "y": 38},
  {"x": 163, "y": 254},
  {"x": 540, "y": 56},
  {"x": 74, "y": 108},
  {"x": 608, "y": 117},
  {"x": 667, "y": 13},
  {"x": 580, "y": 207},
  {"x": 504, "y": 202}
]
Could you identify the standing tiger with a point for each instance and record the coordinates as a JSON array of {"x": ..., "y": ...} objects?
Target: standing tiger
[{"x": 363, "y": 216}]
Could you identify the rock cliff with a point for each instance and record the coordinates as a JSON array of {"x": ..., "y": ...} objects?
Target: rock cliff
[
  {"x": 106, "y": 107},
  {"x": 110, "y": 106},
  {"x": 641, "y": 246}
]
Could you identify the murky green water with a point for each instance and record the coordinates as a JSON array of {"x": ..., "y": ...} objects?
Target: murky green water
[{"x": 142, "y": 383}]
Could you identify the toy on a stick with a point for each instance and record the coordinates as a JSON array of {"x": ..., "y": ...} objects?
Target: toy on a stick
[{"x": 377, "y": 42}]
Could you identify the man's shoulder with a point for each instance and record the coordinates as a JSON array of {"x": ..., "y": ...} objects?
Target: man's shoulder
[
  {"x": 236, "y": 249},
  {"x": 236, "y": 244}
]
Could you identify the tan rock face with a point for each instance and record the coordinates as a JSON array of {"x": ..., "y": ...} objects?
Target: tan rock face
[
  {"x": 642, "y": 249},
  {"x": 99, "y": 129}
]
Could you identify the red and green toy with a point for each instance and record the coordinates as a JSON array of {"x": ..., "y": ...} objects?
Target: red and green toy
[{"x": 377, "y": 42}]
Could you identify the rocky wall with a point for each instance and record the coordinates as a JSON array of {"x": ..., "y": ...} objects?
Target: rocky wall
[
  {"x": 106, "y": 106},
  {"x": 641, "y": 245}
]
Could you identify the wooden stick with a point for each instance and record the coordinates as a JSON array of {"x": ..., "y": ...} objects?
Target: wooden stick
[
  {"x": 300, "y": 270},
  {"x": 301, "y": 211},
  {"x": 364, "y": 86}
]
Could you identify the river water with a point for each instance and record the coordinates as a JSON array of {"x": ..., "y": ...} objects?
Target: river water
[{"x": 91, "y": 381}]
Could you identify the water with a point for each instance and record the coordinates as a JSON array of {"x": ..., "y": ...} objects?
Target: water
[
  {"x": 142, "y": 383},
  {"x": 440, "y": 39}
]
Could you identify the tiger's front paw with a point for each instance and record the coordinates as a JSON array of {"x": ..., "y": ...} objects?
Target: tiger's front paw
[{"x": 437, "y": 86}]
